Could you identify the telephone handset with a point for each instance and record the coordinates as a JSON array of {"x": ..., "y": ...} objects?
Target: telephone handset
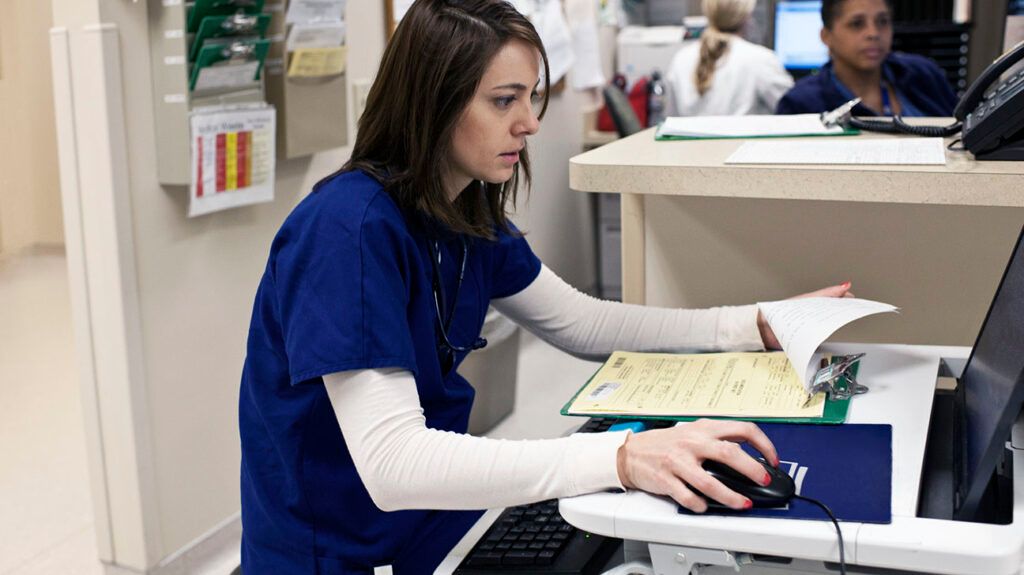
[{"x": 993, "y": 120}]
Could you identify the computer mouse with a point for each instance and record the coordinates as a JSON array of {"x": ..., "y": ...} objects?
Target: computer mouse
[{"x": 775, "y": 494}]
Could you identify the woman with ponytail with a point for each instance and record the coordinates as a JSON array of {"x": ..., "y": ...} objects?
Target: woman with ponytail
[{"x": 723, "y": 74}]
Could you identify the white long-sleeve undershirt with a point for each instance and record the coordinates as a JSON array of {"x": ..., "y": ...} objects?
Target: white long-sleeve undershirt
[{"x": 406, "y": 465}]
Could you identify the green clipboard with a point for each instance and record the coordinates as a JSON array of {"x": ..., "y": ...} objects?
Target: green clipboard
[
  {"x": 245, "y": 25},
  {"x": 210, "y": 56},
  {"x": 671, "y": 138},
  {"x": 835, "y": 410},
  {"x": 204, "y": 8}
]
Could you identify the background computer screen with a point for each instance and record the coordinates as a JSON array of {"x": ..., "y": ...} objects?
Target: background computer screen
[
  {"x": 993, "y": 385},
  {"x": 797, "y": 34}
]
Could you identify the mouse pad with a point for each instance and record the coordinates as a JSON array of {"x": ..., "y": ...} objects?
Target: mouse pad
[{"x": 847, "y": 467}]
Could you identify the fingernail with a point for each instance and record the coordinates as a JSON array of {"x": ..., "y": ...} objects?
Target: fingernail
[
  {"x": 748, "y": 504},
  {"x": 847, "y": 284},
  {"x": 767, "y": 479}
]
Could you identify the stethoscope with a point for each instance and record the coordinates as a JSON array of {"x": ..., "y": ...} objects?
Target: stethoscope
[{"x": 444, "y": 320}]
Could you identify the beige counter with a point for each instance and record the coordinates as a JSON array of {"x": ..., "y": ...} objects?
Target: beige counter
[{"x": 696, "y": 232}]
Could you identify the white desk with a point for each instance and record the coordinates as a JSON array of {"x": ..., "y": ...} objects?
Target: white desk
[
  {"x": 902, "y": 383},
  {"x": 932, "y": 240}
]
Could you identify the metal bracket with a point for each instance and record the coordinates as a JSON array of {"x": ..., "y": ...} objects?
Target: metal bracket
[{"x": 683, "y": 560}]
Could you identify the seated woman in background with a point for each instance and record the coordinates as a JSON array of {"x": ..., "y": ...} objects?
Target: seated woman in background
[
  {"x": 858, "y": 34},
  {"x": 724, "y": 74}
]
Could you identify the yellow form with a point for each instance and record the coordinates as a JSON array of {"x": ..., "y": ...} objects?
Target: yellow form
[{"x": 761, "y": 384}]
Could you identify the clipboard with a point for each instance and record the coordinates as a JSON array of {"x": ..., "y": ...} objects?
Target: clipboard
[
  {"x": 236, "y": 26},
  {"x": 204, "y": 8},
  {"x": 835, "y": 409},
  {"x": 747, "y": 127},
  {"x": 239, "y": 63}
]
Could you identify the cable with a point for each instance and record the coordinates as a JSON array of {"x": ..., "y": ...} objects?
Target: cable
[
  {"x": 898, "y": 126},
  {"x": 839, "y": 532}
]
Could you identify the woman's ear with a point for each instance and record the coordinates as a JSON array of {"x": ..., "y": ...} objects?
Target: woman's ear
[{"x": 826, "y": 37}]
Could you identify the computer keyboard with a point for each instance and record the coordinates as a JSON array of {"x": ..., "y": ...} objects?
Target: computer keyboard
[{"x": 534, "y": 538}]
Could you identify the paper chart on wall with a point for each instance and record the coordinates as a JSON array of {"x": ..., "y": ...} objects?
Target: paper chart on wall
[{"x": 232, "y": 157}]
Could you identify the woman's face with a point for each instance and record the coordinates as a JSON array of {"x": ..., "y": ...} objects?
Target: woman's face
[
  {"x": 861, "y": 34},
  {"x": 494, "y": 126}
]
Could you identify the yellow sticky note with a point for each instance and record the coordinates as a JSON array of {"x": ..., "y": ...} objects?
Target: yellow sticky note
[{"x": 312, "y": 62}]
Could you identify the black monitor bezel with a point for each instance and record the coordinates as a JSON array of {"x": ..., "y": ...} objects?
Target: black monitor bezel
[{"x": 970, "y": 489}]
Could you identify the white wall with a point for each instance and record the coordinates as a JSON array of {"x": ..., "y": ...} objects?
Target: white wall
[
  {"x": 29, "y": 190},
  {"x": 168, "y": 298}
]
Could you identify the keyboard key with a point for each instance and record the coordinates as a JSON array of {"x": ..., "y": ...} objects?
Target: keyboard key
[
  {"x": 489, "y": 559},
  {"x": 546, "y": 557},
  {"x": 519, "y": 558}
]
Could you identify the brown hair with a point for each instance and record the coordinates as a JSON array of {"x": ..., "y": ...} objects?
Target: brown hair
[
  {"x": 725, "y": 18},
  {"x": 429, "y": 73}
]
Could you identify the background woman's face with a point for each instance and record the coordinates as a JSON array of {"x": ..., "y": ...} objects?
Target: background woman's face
[
  {"x": 861, "y": 34},
  {"x": 493, "y": 128}
]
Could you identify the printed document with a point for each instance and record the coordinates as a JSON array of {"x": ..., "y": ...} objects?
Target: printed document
[
  {"x": 860, "y": 151},
  {"x": 705, "y": 384},
  {"x": 752, "y": 385},
  {"x": 803, "y": 324}
]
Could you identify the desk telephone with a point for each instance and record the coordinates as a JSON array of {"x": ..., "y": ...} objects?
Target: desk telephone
[{"x": 990, "y": 121}]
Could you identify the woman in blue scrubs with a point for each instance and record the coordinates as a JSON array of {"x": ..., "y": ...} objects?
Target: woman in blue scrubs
[
  {"x": 858, "y": 34},
  {"x": 352, "y": 415}
]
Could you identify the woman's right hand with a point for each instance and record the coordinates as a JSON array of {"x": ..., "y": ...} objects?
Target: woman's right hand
[{"x": 669, "y": 461}]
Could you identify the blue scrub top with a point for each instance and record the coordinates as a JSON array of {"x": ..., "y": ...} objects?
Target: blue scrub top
[
  {"x": 920, "y": 85},
  {"x": 348, "y": 286}
]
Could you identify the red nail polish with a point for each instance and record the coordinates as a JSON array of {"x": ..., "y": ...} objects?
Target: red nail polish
[
  {"x": 847, "y": 284},
  {"x": 767, "y": 479},
  {"x": 748, "y": 504}
]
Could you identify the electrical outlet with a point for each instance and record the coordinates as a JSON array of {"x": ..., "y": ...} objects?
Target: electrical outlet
[{"x": 360, "y": 91}]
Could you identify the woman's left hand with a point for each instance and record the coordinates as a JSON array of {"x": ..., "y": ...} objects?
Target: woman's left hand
[{"x": 768, "y": 336}]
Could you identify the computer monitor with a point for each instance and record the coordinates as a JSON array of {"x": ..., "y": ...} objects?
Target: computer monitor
[
  {"x": 797, "y": 34},
  {"x": 993, "y": 388}
]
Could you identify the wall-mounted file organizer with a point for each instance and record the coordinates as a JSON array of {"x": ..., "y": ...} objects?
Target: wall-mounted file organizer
[
  {"x": 196, "y": 64},
  {"x": 311, "y": 106}
]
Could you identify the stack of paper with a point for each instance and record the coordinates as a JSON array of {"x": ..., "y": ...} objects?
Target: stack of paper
[
  {"x": 691, "y": 127},
  {"x": 751, "y": 385}
]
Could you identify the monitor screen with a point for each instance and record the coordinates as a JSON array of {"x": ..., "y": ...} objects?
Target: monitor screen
[
  {"x": 993, "y": 386},
  {"x": 797, "y": 34}
]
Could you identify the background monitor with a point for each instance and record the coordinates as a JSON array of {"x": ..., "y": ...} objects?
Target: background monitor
[
  {"x": 993, "y": 387},
  {"x": 797, "y": 34}
]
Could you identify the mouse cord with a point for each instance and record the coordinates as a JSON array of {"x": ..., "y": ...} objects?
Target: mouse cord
[{"x": 839, "y": 532}]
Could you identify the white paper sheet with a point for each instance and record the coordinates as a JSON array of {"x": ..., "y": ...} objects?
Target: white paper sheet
[
  {"x": 582, "y": 18},
  {"x": 306, "y": 11},
  {"x": 232, "y": 157},
  {"x": 888, "y": 151},
  {"x": 554, "y": 32},
  {"x": 745, "y": 126},
  {"x": 803, "y": 324},
  {"x": 317, "y": 35}
]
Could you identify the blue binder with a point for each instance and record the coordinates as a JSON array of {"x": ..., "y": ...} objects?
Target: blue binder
[{"x": 847, "y": 467}]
